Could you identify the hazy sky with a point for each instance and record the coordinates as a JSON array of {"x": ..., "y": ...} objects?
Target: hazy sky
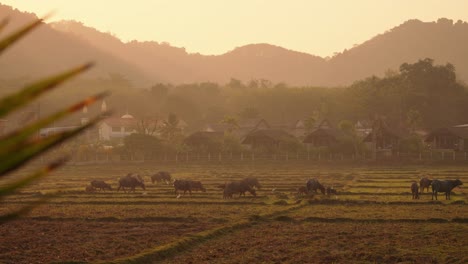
[{"x": 216, "y": 26}]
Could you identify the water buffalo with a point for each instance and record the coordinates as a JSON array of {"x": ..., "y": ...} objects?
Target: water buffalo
[
  {"x": 302, "y": 190},
  {"x": 331, "y": 190},
  {"x": 424, "y": 184},
  {"x": 161, "y": 176},
  {"x": 90, "y": 189},
  {"x": 415, "y": 190},
  {"x": 313, "y": 185},
  {"x": 100, "y": 185},
  {"x": 188, "y": 185},
  {"x": 445, "y": 186},
  {"x": 252, "y": 182},
  {"x": 131, "y": 181},
  {"x": 197, "y": 186},
  {"x": 240, "y": 187}
]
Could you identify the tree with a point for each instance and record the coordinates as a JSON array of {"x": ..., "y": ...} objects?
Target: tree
[
  {"x": 231, "y": 122},
  {"x": 350, "y": 137},
  {"x": 413, "y": 120},
  {"x": 147, "y": 125},
  {"x": 160, "y": 90},
  {"x": 249, "y": 113},
  {"x": 235, "y": 84},
  {"x": 142, "y": 143},
  {"x": 309, "y": 123},
  {"x": 171, "y": 127}
]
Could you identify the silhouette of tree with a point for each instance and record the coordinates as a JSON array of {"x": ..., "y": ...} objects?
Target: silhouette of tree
[{"x": 231, "y": 122}]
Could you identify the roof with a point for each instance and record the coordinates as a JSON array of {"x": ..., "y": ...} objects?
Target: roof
[
  {"x": 269, "y": 134},
  {"x": 201, "y": 137},
  {"x": 127, "y": 116},
  {"x": 323, "y": 132},
  {"x": 121, "y": 122},
  {"x": 385, "y": 131},
  {"x": 458, "y": 132},
  {"x": 216, "y": 127},
  {"x": 252, "y": 123}
]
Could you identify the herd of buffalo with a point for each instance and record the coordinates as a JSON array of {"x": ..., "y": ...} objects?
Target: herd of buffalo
[
  {"x": 251, "y": 184},
  {"x": 443, "y": 186}
]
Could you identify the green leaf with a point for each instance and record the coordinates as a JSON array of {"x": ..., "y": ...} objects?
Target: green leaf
[
  {"x": 30, "y": 92},
  {"x": 25, "y": 153},
  {"x": 13, "y": 37},
  {"x": 18, "y": 137},
  {"x": 25, "y": 209},
  {"x": 3, "y": 24},
  {"x": 10, "y": 188}
]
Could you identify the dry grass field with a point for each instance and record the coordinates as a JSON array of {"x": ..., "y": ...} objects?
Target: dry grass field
[{"x": 372, "y": 219}]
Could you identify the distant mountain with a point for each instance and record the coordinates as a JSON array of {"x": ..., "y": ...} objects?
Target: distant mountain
[
  {"x": 443, "y": 41},
  {"x": 47, "y": 51},
  {"x": 60, "y": 44},
  {"x": 256, "y": 61}
]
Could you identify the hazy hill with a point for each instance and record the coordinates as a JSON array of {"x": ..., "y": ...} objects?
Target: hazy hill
[
  {"x": 256, "y": 61},
  {"x": 62, "y": 44},
  {"x": 46, "y": 51},
  {"x": 444, "y": 41}
]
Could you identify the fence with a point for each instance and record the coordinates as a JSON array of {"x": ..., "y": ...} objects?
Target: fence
[{"x": 190, "y": 157}]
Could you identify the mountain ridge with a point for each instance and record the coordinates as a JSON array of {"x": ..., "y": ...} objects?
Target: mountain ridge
[{"x": 150, "y": 62}]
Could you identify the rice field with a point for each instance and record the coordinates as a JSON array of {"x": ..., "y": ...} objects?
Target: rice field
[{"x": 372, "y": 219}]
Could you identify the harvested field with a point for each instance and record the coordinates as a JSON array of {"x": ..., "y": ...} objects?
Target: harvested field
[{"x": 372, "y": 219}]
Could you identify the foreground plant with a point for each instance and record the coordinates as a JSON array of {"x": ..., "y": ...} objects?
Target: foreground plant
[{"x": 21, "y": 146}]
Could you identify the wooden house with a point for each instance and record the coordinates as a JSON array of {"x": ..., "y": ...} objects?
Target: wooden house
[
  {"x": 205, "y": 140},
  {"x": 383, "y": 139},
  {"x": 325, "y": 135},
  {"x": 244, "y": 127},
  {"x": 450, "y": 139},
  {"x": 268, "y": 138}
]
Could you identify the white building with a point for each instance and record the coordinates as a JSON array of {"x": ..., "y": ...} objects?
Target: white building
[{"x": 117, "y": 127}]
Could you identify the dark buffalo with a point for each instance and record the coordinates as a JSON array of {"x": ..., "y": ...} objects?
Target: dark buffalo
[
  {"x": 188, "y": 186},
  {"x": 197, "y": 186},
  {"x": 240, "y": 187},
  {"x": 90, "y": 189},
  {"x": 424, "y": 184},
  {"x": 161, "y": 176},
  {"x": 252, "y": 182},
  {"x": 302, "y": 190},
  {"x": 331, "y": 190},
  {"x": 415, "y": 190},
  {"x": 101, "y": 185},
  {"x": 131, "y": 181},
  {"x": 314, "y": 185},
  {"x": 445, "y": 186}
]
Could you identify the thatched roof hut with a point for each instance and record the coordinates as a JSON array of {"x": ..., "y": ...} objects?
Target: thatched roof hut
[
  {"x": 325, "y": 135},
  {"x": 268, "y": 138}
]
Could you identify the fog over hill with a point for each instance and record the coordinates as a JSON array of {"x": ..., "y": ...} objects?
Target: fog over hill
[{"x": 62, "y": 44}]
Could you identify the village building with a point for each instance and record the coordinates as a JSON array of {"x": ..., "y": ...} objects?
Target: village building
[
  {"x": 89, "y": 135},
  {"x": 383, "y": 140},
  {"x": 204, "y": 140},
  {"x": 325, "y": 135},
  {"x": 449, "y": 139},
  {"x": 244, "y": 127},
  {"x": 270, "y": 139},
  {"x": 117, "y": 127},
  {"x": 362, "y": 128}
]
